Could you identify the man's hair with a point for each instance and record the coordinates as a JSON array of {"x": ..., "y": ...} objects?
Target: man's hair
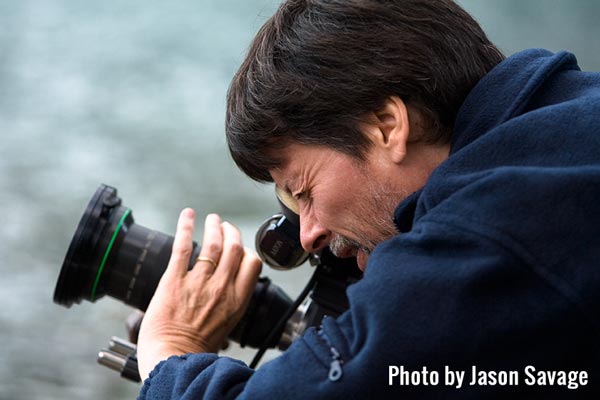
[{"x": 316, "y": 68}]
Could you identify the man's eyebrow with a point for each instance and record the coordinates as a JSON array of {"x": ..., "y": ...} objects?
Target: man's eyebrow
[
  {"x": 286, "y": 187},
  {"x": 289, "y": 182}
]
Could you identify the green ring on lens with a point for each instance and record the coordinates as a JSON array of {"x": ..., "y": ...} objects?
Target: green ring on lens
[{"x": 108, "y": 249}]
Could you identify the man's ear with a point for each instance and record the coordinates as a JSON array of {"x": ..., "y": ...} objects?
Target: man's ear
[{"x": 392, "y": 128}]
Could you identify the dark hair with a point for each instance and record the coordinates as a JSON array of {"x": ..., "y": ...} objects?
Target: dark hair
[{"x": 317, "y": 66}]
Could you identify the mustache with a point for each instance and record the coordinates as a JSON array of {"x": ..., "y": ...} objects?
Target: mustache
[{"x": 339, "y": 246}]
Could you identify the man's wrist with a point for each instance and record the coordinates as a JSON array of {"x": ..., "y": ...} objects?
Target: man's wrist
[{"x": 148, "y": 360}]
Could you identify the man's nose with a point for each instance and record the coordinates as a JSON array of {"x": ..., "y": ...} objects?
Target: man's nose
[{"x": 313, "y": 236}]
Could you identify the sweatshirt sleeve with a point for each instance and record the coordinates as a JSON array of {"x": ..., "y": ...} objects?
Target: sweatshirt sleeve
[{"x": 192, "y": 375}]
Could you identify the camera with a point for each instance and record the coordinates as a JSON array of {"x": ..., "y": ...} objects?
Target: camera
[{"x": 112, "y": 255}]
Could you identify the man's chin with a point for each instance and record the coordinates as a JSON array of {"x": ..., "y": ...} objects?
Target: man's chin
[{"x": 361, "y": 259}]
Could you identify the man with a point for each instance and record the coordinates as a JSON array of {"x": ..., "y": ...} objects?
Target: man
[{"x": 465, "y": 184}]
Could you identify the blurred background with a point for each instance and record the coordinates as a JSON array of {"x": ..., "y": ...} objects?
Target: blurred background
[{"x": 132, "y": 94}]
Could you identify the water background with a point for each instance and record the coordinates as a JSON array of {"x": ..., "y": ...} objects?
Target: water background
[{"x": 131, "y": 94}]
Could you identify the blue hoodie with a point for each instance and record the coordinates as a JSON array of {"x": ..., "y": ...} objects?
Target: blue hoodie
[{"x": 497, "y": 266}]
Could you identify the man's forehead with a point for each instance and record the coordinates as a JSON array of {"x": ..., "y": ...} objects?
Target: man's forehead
[
  {"x": 285, "y": 182},
  {"x": 296, "y": 160},
  {"x": 283, "y": 174}
]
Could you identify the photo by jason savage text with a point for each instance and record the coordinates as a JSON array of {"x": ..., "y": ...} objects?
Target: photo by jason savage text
[{"x": 529, "y": 376}]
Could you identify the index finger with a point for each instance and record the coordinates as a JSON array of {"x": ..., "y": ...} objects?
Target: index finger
[{"x": 182, "y": 244}]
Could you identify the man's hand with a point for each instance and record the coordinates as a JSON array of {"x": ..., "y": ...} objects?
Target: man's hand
[{"x": 194, "y": 311}]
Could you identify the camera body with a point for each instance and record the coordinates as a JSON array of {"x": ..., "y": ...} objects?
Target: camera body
[{"x": 112, "y": 255}]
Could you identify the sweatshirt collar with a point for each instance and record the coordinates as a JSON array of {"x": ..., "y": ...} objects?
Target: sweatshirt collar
[
  {"x": 405, "y": 212},
  {"x": 505, "y": 91}
]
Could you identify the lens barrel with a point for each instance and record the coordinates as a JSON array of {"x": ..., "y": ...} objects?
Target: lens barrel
[{"x": 112, "y": 255}]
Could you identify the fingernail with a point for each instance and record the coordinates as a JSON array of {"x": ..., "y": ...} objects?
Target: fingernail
[{"x": 188, "y": 213}]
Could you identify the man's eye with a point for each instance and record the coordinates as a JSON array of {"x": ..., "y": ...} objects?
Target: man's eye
[
  {"x": 303, "y": 195},
  {"x": 288, "y": 199}
]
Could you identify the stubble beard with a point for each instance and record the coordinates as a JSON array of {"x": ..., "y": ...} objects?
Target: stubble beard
[{"x": 376, "y": 214}]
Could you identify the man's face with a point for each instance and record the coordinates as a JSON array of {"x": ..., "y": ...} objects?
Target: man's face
[
  {"x": 343, "y": 202},
  {"x": 348, "y": 203}
]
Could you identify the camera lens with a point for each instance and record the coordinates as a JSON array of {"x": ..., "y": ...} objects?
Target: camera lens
[{"x": 112, "y": 255}]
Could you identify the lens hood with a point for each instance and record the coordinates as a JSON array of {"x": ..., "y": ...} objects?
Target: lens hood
[{"x": 76, "y": 277}]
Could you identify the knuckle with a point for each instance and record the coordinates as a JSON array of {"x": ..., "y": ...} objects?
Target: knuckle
[
  {"x": 214, "y": 248},
  {"x": 254, "y": 262},
  {"x": 257, "y": 265},
  {"x": 236, "y": 249},
  {"x": 218, "y": 292},
  {"x": 182, "y": 250}
]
